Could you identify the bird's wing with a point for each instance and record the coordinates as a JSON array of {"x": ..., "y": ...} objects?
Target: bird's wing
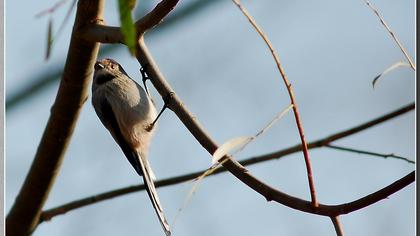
[
  {"x": 140, "y": 164},
  {"x": 106, "y": 115}
]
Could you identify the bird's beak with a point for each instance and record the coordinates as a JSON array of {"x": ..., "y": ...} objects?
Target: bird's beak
[{"x": 99, "y": 65}]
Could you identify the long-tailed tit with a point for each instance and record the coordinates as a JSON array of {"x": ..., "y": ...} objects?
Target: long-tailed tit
[{"x": 126, "y": 110}]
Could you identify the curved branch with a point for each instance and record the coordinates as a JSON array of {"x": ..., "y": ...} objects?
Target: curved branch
[
  {"x": 360, "y": 203},
  {"x": 292, "y": 101},
  {"x": 73, "y": 92},
  {"x": 189, "y": 120},
  {"x": 374, "y": 197},
  {"x": 50, "y": 213}
]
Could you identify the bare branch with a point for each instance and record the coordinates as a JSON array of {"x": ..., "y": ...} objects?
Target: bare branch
[
  {"x": 192, "y": 124},
  {"x": 392, "y": 34},
  {"x": 328, "y": 210},
  {"x": 292, "y": 100},
  {"x": 176, "y": 105},
  {"x": 337, "y": 226},
  {"x": 331, "y": 138},
  {"x": 50, "y": 213},
  {"x": 376, "y": 196},
  {"x": 391, "y": 155},
  {"x": 51, "y": 10},
  {"x": 73, "y": 92}
]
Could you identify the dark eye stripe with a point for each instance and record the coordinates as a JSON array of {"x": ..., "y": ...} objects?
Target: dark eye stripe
[{"x": 100, "y": 79}]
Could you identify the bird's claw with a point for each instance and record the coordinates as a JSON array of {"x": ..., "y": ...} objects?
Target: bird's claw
[{"x": 145, "y": 77}]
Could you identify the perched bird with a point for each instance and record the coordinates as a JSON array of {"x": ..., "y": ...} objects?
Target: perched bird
[{"x": 127, "y": 111}]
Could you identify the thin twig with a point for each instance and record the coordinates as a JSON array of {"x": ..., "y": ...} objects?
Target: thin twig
[
  {"x": 50, "y": 213},
  {"x": 51, "y": 9},
  {"x": 238, "y": 144},
  {"x": 292, "y": 100},
  {"x": 337, "y": 225},
  {"x": 295, "y": 203},
  {"x": 391, "y": 155},
  {"x": 392, "y": 34}
]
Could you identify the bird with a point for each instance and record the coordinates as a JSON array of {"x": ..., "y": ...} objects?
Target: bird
[{"x": 128, "y": 112}]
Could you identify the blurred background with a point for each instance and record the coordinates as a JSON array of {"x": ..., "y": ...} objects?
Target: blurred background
[{"x": 220, "y": 67}]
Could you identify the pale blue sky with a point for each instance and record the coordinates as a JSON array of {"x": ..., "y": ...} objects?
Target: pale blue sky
[{"x": 331, "y": 51}]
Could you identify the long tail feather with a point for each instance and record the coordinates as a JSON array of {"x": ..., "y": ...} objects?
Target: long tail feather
[{"x": 151, "y": 190}]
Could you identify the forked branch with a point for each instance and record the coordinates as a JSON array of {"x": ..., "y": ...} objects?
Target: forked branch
[{"x": 98, "y": 32}]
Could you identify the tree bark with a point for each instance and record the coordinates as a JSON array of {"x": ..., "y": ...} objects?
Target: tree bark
[{"x": 73, "y": 92}]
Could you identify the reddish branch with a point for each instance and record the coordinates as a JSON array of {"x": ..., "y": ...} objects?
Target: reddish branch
[
  {"x": 337, "y": 226},
  {"x": 292, "y": 101}
]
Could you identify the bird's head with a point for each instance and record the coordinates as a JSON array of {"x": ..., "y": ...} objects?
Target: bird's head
[{"x": 106, "y": 70}]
